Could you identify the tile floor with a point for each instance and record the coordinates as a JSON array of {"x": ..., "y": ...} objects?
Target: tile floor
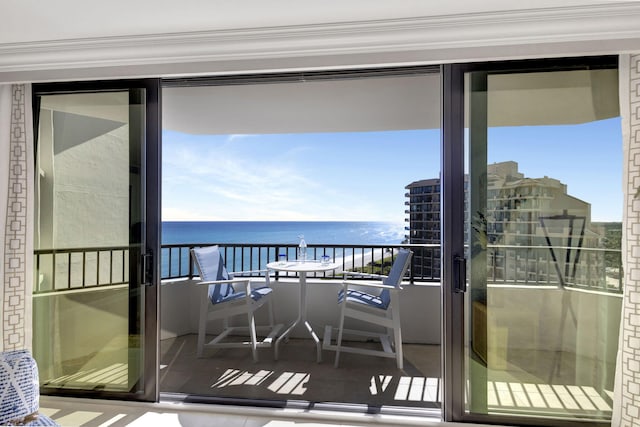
[
  {"x": 373, "y": 383},
  {"x": 297, "y": 391},
  {"x": 75, "y": 412}
]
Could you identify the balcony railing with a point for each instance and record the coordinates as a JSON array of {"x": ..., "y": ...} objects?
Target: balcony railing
[
  {"x": 80, "y": 268},
  {"x": 88, "y": 268},
  {"x": 247, "y": 257},
  {"x": 589, "y": 268}
]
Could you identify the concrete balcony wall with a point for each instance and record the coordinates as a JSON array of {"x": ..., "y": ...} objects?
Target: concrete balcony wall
[
  {"x": 80, "y": 330},
  {"x": 532, "y": 330},
  {"x": 552, "y": 335},
  {"x": 529, "y": 319},
  {"x": 547, "y": 328},
  {"x": 420, "y": 308}
]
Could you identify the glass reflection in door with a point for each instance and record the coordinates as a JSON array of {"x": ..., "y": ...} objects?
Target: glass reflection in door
[
  {"x": 543, "y": 227},
  {"x": 88, "y": 298}
]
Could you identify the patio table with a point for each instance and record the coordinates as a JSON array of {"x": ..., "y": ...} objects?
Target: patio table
[{"x": 302, "y": 268}]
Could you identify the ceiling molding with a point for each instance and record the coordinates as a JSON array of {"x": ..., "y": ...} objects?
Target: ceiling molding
[{"x": 506, "y": 33}]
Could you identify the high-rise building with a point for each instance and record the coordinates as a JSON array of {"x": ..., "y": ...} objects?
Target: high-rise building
[
  {"x": 534, "y": 230},
  {"x": 424, "y": 225}
]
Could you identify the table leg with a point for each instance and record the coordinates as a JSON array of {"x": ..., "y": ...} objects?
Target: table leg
[
  {"x": 302, "y": 318},
  {"x": 303, "y": 304}
]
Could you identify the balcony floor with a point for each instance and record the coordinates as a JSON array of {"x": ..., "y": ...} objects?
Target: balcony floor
[
  {"x": 372, "y": 382},
  {"x": 367, "y": 384}
]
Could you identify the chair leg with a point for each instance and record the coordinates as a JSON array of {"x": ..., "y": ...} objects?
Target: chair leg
[
  {"x": 340, "y": 329},
  {"x": 254, "y": 338},
  {"x": 390, "y": 329},
  {"x": 397, "y": 332},
  {"x": 202, "y": 324},
  {"x": 271, "y": 317}
]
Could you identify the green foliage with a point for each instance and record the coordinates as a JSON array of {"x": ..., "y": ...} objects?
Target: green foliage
[
  {"x": 612, "y": 241},
  {"x": 382, "y": 267}
]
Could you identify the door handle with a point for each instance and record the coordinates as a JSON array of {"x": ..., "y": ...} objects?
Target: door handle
[
  {"x": 459, "y": 274},
  {"x": 147, "y": 269}
]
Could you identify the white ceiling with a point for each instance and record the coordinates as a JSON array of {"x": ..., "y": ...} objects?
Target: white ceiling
[
  {"x": 70, "y": 40},
  {"x": 387, "y": 103},
  {"x": 35, "y": 20},
  {"x": 358, "y": 105},
  {"x": 80, "y": 39}
]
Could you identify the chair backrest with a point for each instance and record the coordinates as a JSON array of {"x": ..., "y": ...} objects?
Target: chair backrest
[
  {"x": 211, "y": 267},
  {"x": 399, "y": 268}
]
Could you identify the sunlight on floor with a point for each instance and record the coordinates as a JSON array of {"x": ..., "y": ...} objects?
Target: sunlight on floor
[
  {"x": 545, "y": 396},
  {"x": 81, "y": 418},
  {"x": 115, "y": 375},
  {"x": 290, "y": 383},
  {"x": 285, "y": 383},
  {"x": 71, "y": 412},
  {"x": 414, "y": 389},
  {"x": 418, "y": 389},
  {"x": 233, "y": 377}
]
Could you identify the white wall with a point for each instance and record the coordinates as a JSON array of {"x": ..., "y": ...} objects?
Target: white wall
[{"x": 420, "y": 309}]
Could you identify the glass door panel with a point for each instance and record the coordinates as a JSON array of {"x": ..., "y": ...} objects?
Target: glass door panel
[
  {"x": 92, "y": 236},
  {"x": 542, "y": 241},
  {"x": 349, "y": 160}
]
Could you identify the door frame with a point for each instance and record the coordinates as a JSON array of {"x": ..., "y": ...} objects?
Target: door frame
[
  {"x": 148, "y": 267},
  {"x": 453, "y": 273}
]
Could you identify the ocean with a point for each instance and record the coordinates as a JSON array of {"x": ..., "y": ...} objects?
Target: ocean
[
  {"x": 273, "y": 233},
  {"x": 283, "y": 232}
]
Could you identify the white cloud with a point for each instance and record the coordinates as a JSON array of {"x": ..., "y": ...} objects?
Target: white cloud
[
  {"x": 227, "y": 186},
  {"x": 237, "y": 136},
  {"x": 232, "y": 178}
]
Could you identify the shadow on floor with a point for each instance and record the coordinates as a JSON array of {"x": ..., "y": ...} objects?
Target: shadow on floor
[{"x": 359, "y": 380}]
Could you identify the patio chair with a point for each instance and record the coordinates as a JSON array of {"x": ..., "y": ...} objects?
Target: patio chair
[
  {"x": 225, "y": 296},
  {"x": 380, "y": 308}
]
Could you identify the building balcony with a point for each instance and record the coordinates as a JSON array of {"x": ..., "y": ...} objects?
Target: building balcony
[{"x": 296, "y": 379}]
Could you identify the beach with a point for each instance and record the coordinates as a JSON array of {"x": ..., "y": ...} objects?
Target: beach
[{"x": 360, "y": 260}]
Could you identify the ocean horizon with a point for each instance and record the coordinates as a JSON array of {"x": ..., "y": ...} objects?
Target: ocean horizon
[
  {"x": 325, "y": 233},
  {"x": 283, "y": 232}
]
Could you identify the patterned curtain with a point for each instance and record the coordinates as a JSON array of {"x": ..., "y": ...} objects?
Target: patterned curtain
[
  {"x": 16, "y": 216},
  {"x": 626, "y": 405}
]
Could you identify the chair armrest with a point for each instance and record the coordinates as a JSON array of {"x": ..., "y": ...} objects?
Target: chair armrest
[
  {"x": 378, "y": 285},
  {"x": 239, "y": 280},
  {"x": 265, "y": 273},
  {"x": 249, "y": 272},
  {"x": 218, "y": 282},
  {"x": 358, "y": 274}
]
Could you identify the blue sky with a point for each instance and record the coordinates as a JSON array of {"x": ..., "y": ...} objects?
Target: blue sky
[
  {"x": 362, "y": 176},
  {"x": 294, "y": 177},
  {"x": 586, "y": 157}
]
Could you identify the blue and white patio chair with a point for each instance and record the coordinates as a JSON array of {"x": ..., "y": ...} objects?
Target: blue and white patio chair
[
  {"x": 381, "y": 307},
  {"x": 20, "y": 391},
  {"x": 224, "y": 297}
]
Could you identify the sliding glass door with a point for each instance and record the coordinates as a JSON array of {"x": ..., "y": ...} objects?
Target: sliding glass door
[
  {"x": 97, "y": 212},
  {"x": 538, "y": 169},
  {"x": 350, "y": 160}
]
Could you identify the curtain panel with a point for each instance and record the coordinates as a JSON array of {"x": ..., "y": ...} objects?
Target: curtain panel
[
  {"x": 16, "y": 215},
  {"x": 626, "y": 405}
]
